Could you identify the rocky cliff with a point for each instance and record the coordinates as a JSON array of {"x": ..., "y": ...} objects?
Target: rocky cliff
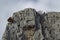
[{"x": 28, "y": 24}]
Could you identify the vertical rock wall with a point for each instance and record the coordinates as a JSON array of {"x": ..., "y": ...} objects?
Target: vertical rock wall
[{"x": 28, "y": 24}]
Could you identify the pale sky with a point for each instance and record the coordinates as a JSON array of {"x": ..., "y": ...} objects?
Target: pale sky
[{"x": 7, "y": 7}]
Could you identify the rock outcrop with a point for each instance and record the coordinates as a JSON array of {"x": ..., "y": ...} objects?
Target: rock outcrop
[{"x": 28, "y": 24}]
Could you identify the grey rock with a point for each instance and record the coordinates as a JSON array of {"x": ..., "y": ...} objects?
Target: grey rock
[{"x": 28, "y": 24}]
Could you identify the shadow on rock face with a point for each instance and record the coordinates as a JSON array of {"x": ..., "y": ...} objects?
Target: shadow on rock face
[{"x": 29, "y": 27}]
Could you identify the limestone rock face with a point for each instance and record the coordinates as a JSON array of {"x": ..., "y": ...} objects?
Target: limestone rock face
[
  {"x": 28, "y": 24},
  {"x": 52, "y": 26}
]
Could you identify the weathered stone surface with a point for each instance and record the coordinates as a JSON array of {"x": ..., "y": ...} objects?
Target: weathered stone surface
[
  {"x": 52, "y": 23},
  {"x": 28, "y": 24}
]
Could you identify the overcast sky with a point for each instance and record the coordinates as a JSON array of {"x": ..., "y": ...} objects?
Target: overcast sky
[{"x": 7, "y": 7}]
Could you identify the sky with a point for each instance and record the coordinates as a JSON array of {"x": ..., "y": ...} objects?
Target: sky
[{"x": 8, "y": 7}]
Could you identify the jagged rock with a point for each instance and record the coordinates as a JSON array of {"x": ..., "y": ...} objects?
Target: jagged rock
[
  {"x": 52, "y": 22},
  {"x": 28, "y": 24},
  {"x": 10, "y": 19}
]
